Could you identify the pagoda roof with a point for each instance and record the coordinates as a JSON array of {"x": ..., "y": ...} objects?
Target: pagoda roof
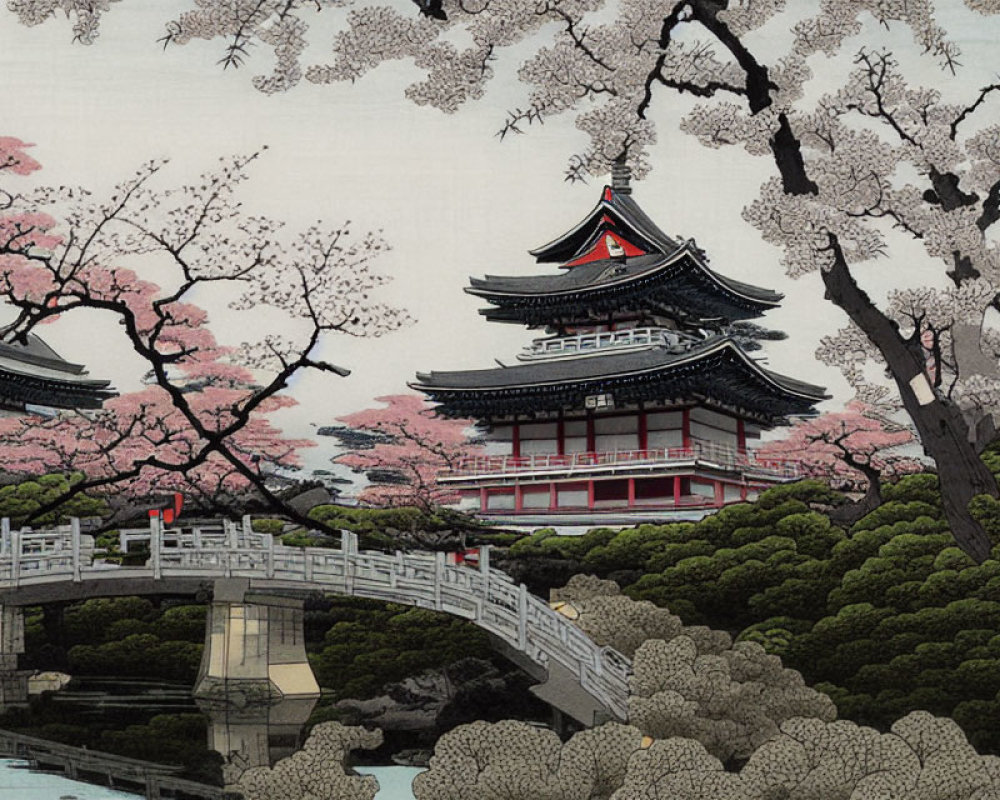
[
  {"x": 677, "y": 283},
  {"x": 32, "y": 373},
  {"x": 715, "y": 373},
  {"x": 623, "y": 212}
]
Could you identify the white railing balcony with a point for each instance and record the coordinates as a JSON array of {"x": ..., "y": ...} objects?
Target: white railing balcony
[
  {"x": 586, "y": 343},
  {"x": 697, "y": 453}
]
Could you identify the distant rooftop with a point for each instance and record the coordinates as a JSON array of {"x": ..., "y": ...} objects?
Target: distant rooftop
[{"x": 33, "y": 374}]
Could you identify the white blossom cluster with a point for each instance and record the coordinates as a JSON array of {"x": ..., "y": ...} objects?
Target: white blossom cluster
[
  {"x": 692, "y": 681},
  {"x": 86, "y": 14},
  {"x": 512, "y": 760},
  {"x": 316, "y": 772}
]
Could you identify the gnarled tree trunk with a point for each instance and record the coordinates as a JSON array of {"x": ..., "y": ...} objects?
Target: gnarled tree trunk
[{"x": 943, "y": 431}]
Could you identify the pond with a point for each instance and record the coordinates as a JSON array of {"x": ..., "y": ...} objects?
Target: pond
[
  {"x": 16, "y": 780},
  {"x": 154, "y": 712}
]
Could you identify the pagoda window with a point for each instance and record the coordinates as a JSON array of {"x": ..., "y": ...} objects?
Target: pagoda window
[
  {"x": 500, "y": 500},
  {"x": 702, "y": 489},
  {"x": 575, "y": 436},
  {"x": 616, "y": 433},
  {"x": 534, "y": 497},
  {"x": 572, "y": 495},
  {"x": 653, "y": 491},
  {"x": 732, "y": 493},
  {"x": 713, "y": 427},
  {"x": 539, "y": 437},
  {"x": 500, "y": 440},
  {"x": 469, "y": 501},
  {"x": 664, "y": 429},
  {"x": 610, "y": 494}
]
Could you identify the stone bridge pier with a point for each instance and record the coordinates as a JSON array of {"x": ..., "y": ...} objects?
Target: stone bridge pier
[
  {"x": 254, "y": 649},
  {"x": 13, "y": 681}
]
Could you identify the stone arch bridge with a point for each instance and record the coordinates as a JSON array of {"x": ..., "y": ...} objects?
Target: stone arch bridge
[{"x": 254, "y": 636}]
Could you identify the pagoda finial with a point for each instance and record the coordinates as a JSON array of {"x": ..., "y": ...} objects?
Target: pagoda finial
[{"x": 621, "y": 174}]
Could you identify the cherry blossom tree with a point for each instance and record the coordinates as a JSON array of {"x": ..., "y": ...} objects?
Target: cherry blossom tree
[
  {"x": 402, "y": 448},
  {"x": 855, "y": 450},
  {"x": 855, "y": 168},
  {"x": 201, "y": 423}
]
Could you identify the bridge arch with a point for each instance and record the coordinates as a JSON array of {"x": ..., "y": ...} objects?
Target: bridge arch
[{"x": 58, "y": 564}]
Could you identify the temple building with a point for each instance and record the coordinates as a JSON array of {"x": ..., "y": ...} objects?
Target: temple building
[
  {"x": 638, "y": 403},
  {"x": 35, "y": 379}
]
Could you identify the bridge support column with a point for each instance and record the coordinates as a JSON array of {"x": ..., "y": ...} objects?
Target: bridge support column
[
  {"x": 255, "y": 736},
  {"x": 254, "y": 649},
  {"x": 13, "y": 681}
]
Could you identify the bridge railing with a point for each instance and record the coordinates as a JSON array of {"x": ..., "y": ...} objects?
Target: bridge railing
[{"x": 482, "y": 594}]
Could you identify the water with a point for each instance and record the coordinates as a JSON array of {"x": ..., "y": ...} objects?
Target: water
[
  {"x": 18, "y": 783},
  {"x": 393, "y": 782},
  {"x": 98, "y": 701}
]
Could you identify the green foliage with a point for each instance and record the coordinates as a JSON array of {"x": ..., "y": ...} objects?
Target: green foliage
[
  {"x": 167, "y": 739},
  {"x": 921, "y": 487},
  {"x": 19, "y": 500},
  {"x": 126, "y": 636},
  {"x": 138, "y": 655},
  {"x": 373, "y": 520},
  {"x": 272, "y": 526},
  {"x": 545, "y": 543},
  {"x": 90, "y": 621},
  {"x": 380, "y": 527},
  {"x": 894, "y": 511},
  {"x": 887, "y": 617},
  {"x": 368, "y": 644}
]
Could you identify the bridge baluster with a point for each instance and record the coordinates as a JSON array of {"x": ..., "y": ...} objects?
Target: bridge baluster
[
  {"x": 155, "y": 534},
  {"x": 522, "y": 617},
  {"x": 439, "y": 566},
  {"x": 74, "y": 532},
  {"x": 5, "y": 534},
  {"x": 15, "y": 558}
]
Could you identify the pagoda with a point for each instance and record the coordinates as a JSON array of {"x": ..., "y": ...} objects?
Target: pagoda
[
  {"x": 35, "y": 379},
  {"x": 638, "y": 403}
]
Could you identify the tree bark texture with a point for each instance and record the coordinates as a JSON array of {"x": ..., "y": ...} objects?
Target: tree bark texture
[{"x": 943, "y": 431}]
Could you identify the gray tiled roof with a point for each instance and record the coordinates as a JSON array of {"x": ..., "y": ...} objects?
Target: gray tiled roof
[
  {"x": 34, "y": 373},
  {"x": 620, "y": 205},
  {"x": 600, "y": 274},
  {"x": 611, "y": 365}
]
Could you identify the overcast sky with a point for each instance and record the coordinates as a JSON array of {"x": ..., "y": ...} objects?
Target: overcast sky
[{"x": 449, "y": 196}]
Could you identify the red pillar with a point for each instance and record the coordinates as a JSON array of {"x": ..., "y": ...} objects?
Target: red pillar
[
  {"x": 482, "y": 499},
  {"x": 686, "y": 427},
  {"x": 518, "y": 499},
  {"x": 631, "y": 492},
  {"x": 720, "y": 494},
  {"x": 553, "y": 497},
  {"x": 515, "y": 440},
  {"x": 591, "y": 436},
  {"x": 741, "y": 435},
  {"x": 590, "y": 495},
  {"x": 677, "y": 490},
  {"x": 560, "y": 436},
  {"x": 643, "y": 431}
]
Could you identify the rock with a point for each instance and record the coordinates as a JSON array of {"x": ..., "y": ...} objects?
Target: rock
[{"x": 306, "y": 501}]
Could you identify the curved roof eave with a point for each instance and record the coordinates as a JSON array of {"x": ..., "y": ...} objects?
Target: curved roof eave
[
  {"x": 782, "y": 383},
  {"x": 479, "y": 287}
]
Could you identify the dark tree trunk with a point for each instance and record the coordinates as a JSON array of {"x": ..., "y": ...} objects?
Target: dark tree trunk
[
  {"x": 849, "y": 513},
  {"x": 944, "y": 434},
  {"x": 943, "y": 431}
]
